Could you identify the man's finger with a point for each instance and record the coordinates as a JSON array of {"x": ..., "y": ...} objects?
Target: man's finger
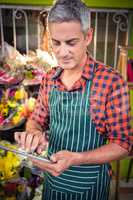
[
  {"x": 34, "y": 142},
  {"x": 54, "y": 158},
  {"x": 29, "y": 141},
  {"x": 23, "y": 139},
  {"x": 41, "y": 148},
  {"x": 17, "y": 136},
  {"x": 52, "y": 168}
]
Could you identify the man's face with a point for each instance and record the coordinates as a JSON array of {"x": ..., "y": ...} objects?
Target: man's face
[{"x": 69, "y": 43}]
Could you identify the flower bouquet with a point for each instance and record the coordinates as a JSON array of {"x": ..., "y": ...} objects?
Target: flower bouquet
[
  {"x": 12, "y": 104},
  {"x": 15, "y": 67},
  {"x": 17, "y": 181}
]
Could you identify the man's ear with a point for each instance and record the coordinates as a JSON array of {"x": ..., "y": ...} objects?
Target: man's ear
[{"x": 89, "y": 36}]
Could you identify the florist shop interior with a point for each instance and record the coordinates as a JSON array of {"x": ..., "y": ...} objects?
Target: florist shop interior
[{"x": 25, "y": 55}]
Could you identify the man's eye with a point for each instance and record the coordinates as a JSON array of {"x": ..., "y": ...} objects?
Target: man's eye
[
  {"x": 56, "y": 43},
  {"x": 71, "y": 43}
]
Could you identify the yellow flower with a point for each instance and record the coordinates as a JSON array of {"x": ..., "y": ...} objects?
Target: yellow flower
[
  {"x": 12, "y": 104},
  {"x": 1, "y": 106},
  {"x": 21, "y": 188},
  {"x": 21, "y": 108},
  {"x": 16, "y": 118},
  {"x": 31, "y": 104},
  {"x": 2, "y": 174},
  {"x": 20, "y": 94},
  {"x": 5, "y": 111},
  {"x": 9, "y": 163}
]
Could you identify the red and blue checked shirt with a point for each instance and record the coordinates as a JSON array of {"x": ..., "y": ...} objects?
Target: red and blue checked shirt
[{"x": 109, "y": 101}]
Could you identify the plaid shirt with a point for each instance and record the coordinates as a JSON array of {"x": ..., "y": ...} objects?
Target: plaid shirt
[{"x": 109, "y": 101}]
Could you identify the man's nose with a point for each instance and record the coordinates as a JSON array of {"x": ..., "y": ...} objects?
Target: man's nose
[{"x": 63, "y": 51}]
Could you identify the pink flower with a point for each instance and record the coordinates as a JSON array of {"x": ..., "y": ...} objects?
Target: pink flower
[{"x": 1, "y": 119}]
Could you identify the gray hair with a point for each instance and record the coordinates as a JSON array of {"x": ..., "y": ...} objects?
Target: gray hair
[{"x": 70, "y": 10}]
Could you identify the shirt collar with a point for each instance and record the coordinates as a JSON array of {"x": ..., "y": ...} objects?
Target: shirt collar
[{"x": 87, "y": 72}]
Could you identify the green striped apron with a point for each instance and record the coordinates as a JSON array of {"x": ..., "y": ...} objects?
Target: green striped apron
[{"x": 71, "y": 129}]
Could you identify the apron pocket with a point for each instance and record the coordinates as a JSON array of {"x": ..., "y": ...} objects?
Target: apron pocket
[{"x": 76, "y": 179}]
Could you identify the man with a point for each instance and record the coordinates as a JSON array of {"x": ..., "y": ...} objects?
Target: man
[{"x": 83, "y": 104}]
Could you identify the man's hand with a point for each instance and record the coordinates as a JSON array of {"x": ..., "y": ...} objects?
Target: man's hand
[
  {"x": 60, "y": 162},
  {"x": 31, "y": 141}
]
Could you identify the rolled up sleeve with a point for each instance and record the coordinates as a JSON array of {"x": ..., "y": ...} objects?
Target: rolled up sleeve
[{"x": 118, "y": 115}]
